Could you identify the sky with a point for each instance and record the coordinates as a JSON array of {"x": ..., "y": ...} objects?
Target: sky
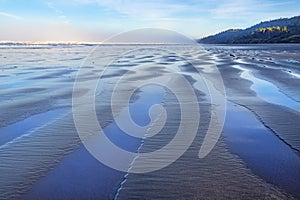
[{"x": 97, "y": 20}]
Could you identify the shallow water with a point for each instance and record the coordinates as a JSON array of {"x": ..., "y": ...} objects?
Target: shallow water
[
  {"x": 29, "y": 125},
  {"x": 80, "y": 176},
  {"x": 267, "y": 91},
  {"x": 263, "y": 152}
]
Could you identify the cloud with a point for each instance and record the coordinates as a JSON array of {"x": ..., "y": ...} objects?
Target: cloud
[
  {"x": 52, "y": 7},
  {"x": 232, "y": 9},
  {"x": 59, "y": 12},
  {"x": 191, "y": 17},
  {"x": 9, "y": 15},
  {"x": 151, "y": 9}
]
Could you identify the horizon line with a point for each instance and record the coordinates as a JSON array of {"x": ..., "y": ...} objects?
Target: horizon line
[{"x": 78, "y": 43}]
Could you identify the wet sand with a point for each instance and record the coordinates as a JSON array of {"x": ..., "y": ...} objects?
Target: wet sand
[
  {"x": 43, "y": 160},
  {"x": 268, "y": 91},
  {"x": 220, "y": 175}
]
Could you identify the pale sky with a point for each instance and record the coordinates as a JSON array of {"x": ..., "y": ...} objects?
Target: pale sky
[{"x": 96, "y": 20}]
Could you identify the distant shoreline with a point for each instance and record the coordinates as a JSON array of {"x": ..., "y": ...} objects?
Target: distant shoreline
[
  {"x": 248, "y": 44},
  {"x": 108, "y": 44},
  {"x": 82, "y": 44}
]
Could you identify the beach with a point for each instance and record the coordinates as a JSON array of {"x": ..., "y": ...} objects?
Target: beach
[{"x": 44, "y": 157}]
